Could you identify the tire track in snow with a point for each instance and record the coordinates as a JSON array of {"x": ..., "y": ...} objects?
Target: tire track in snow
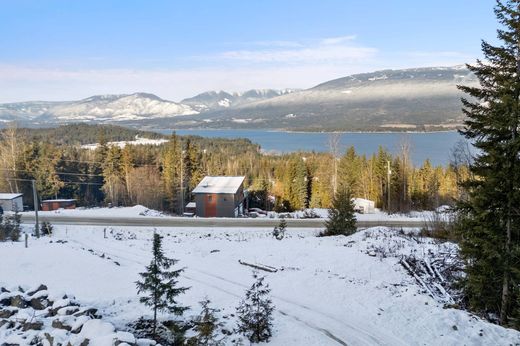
[
  {"x": 82, "y": 247},
  {"x": 362, "y": 336}
]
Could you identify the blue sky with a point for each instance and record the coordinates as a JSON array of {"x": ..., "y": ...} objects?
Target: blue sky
[{"x": 60, "y": 50}]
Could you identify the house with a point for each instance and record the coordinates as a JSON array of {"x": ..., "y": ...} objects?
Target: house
[
  {"x": 55, "y": 204},
  {"x": 364, "y": 206},
  {"x": 11, "y": 201},
  {"x": 220, "y": 197}
]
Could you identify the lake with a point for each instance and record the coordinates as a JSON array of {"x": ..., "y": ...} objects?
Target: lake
[{"x": 435, "y": 146}]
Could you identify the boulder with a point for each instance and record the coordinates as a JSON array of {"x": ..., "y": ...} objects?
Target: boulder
[
  {"x": 37, "y": 325},
  {"x": 7, "y": 313},
  {"x": 61, "y": 325},
  {"x": 39, "y": 303},
  {"x": 18, "y": 302},
  {"x": 4, "y": 290},
  {"x": 31, "y": 292},
  {"x": 68, "y": 310},
  {"x": 90, "y": 312}
]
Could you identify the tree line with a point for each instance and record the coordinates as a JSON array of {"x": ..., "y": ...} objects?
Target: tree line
[{"x": 163, "y": 176}]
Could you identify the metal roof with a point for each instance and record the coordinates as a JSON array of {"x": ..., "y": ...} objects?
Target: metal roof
[
  {"x": 220, "y": 184},
  {"x": 10, "y": 195}
]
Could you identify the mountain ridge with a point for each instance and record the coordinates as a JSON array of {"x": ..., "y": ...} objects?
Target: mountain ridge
[{"x": 412, "y": 99}]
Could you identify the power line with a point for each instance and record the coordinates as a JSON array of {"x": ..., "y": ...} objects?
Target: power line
[
  {"x": 61, "y": 173},
  {"x": 65, "y": 182}
]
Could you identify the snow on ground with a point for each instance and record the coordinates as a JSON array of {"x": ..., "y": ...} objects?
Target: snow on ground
[
  {"x": 137, "y": 141},
  {"x": 327, "y": 291},
  {"x": 135, "y": 211}
]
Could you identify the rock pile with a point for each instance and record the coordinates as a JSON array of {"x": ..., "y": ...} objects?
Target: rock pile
[{"x": 32, "y": 317}]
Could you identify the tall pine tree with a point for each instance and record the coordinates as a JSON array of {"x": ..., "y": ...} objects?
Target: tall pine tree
[
  {"x": 490, "y": 223},
  {"x": 160, "y": 283}
]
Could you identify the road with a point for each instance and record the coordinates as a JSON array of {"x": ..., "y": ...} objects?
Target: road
[{"x": 147, "y": 221}]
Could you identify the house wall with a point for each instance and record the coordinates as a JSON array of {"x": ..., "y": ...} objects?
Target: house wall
[
  {"x": 225, "y": 204},
  {"x": 12, "y": 204}
]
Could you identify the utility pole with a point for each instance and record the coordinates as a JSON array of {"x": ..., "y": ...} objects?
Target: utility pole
[
  {"x": 182, "y": 183},
  {"x": 35, "y": 198},
  {"x": 388, "y": 173}
]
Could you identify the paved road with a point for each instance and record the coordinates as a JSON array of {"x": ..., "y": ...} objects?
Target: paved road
[{"x": 147, "y": 221}]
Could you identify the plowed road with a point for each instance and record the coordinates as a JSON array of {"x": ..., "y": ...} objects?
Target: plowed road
[{"x": 147, "y": 221}]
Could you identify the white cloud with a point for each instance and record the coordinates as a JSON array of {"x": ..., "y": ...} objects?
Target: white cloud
[
  {"x": 273, "y": 64},
  {"x": 338, "y": 40},
  {"x": 326, "y": 50}
]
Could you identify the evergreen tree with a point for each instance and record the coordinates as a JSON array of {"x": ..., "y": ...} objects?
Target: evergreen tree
[
  {"x": 490, "y": 223},
  {"x": 16, "y": 229},
  {"x": 206, "y": 327},
  {"x": 341, "y": 215},
  {"x": 255, "y": 312},
  {"x": 279, "y": 231},
  {"x": 160, "y": 283}
]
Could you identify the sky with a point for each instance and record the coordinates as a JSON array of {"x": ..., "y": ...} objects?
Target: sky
[{"x": 68, "y": 50}]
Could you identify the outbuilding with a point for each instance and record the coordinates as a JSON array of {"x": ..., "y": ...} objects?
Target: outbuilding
[
  {"x": 11, "y": 201},
  {"x": 220, "y": 196},
  {"x": 364, "y": 206},
  {"x": 55, "y": 204}
]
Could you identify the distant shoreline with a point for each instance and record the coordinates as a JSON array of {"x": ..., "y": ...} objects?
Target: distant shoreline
[{"x": 309, "y": 132}]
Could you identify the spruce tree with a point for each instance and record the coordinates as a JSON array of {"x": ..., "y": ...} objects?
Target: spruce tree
[
  {"x": 490, "y": 225},
  {"x": 160, "y": 283},
  {"x": 342, "y": 219},
  {"x": 255, "y": 312},
  {"x": 279, "y": 231},
  {"x": 206, "y": 326}
]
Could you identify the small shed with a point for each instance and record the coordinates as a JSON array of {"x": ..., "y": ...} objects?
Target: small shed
[
  {"x": 220, "y": 196},
  {"x": 364, "y": 206},
  {"x": 55, "y": 204},
  {"x": 11, "y": 201}
]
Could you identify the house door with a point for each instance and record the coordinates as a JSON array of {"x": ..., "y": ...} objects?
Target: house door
[{"x": 211, "y": 205}]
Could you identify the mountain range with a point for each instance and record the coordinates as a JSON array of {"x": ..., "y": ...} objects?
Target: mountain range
[{"x": 409, "y": 99}]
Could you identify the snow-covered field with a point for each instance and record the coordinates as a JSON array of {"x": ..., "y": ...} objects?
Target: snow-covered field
[{"x": 327, "y": 291}]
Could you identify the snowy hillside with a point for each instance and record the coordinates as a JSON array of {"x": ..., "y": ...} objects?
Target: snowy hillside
[
  {"x": 103, "y": 108},
  {"x": 410, "y": 99},
  {"x": 327, "y": 291},
  {"x": 214, "y": 100}
]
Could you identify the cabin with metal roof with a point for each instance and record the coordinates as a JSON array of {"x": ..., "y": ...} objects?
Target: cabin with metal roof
[
  {"x": 220, "y": 196},
  {"x": 11, "y": 201}
]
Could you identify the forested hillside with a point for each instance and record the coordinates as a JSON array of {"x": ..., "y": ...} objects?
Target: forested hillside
[{"x": 162, "y": 176}]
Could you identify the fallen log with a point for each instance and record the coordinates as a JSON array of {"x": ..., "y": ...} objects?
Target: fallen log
[{"x": 259, "y": 266}]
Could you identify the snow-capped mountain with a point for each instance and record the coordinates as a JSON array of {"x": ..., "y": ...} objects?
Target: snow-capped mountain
[
  {"x": 214, "y": 100},
  {"x": 409, "y": 99},
  {"x": 101, "y": 108}
]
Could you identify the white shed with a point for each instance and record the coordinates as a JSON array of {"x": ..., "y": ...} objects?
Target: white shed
[
  {"x": 364, "y": 206},
  {"x": 11, "y": 201}
]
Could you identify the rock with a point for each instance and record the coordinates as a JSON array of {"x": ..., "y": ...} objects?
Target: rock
[
  {"x": 9, "y": 324},
  {"x": 90, "y": 312},
  {"x": 7, "y": 313},
  {"x": 18, "y": 302},
  {"x": 68, "y": 310},
  {"x": 454, "y": 327},
  {"x": 60, "y": 325},
  {"x": 5, "y": 301},
  {"x": 49, "y": 338},
  {"x": 32, "y": 326},
  {"x": 38, "y": 303},
  {"x": 38, "y": 289},
  {"x": 78, "y": 324},
  {"x": 4, "y": 290}
]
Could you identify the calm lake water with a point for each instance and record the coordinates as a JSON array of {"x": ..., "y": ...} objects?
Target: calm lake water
[{"x": 435, "y": 146}]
